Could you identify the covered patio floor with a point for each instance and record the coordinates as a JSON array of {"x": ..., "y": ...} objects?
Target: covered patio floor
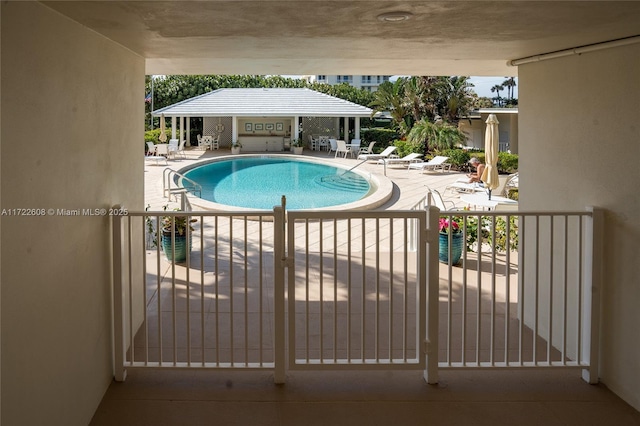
[{"x": 488, "y": 397}]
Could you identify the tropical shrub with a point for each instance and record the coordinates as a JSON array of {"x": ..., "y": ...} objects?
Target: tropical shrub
[
  {"x": 507, "y": 163},
  {"x": 436, "y": 136},
  {"x": 489, "y": 230},
  {"x": 406, "y": 147},
  {"x": 458, "y": 158},
  {"x": 154, "y": 135}
]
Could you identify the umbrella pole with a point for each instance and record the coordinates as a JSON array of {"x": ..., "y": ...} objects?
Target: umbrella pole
[{"x": 489, "y": 194}]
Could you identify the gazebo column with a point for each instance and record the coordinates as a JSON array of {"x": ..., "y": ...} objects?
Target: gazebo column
[
  {"x": 296, "y": 127},
  {"x": 346, "y": 130},
  {"x": 357, "y": 127},
  {"x": 234, "y": 129},
  {"x": 188, "y": 131},
  {"x": 173, "y": 127}
]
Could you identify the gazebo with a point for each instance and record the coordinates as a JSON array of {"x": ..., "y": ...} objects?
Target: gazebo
[{"x": 265, "y": 119}]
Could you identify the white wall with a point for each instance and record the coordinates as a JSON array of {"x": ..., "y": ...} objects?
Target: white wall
[
  {"x": 579, "y": 145},
  {"x": 73, "y": 117}
]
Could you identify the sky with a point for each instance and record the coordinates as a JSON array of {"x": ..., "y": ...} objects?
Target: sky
[{"x": 482, "y": 85}]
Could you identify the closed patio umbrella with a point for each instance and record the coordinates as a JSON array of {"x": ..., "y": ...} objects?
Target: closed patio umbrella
[
  {"x": 491, "y": 139},
  {"x": 163, "y": 135}
]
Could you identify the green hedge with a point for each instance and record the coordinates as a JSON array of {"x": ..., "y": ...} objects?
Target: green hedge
[
  {"x": 153, "y": 135},
  {"x": 507, "y": 163},
  {"x": 383, "y": 137}
]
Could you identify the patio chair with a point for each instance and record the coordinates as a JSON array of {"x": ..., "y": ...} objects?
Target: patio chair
[
  {"x": 162, "y": 149},
  {"x": 180, "y": 150},
  {"x": 436, "y": 163},
  {"x": 151, "y": 148},
  {"x": 384, "y": 154},
  {"x": 434, "y": 198},
  {"x": 215, "y": 142},
  {"x": 355, "y": 146},
  {"x": 333, "y": 145},
  {"x": 173, "y": 148},
  {"x": 323, "y": 142},
  {"x": 414, "y": 156},
  {"x": 367, "y": 149},
  {"x": 342, "y": 147},
  {"x": 200, "y": 145}
]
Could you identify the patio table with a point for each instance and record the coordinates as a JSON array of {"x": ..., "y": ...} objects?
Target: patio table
[{"x": 482, "y": 200}]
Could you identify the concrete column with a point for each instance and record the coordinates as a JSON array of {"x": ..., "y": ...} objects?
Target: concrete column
[
  {"x": 357, "y": 127},
  {"x": 173, "y": 127},
  {"x": 188, "y": 131},
  {"x": 346, "y": 130},
  {"x": 234, "y": 129},
  {"x": 296, "y": 128}
]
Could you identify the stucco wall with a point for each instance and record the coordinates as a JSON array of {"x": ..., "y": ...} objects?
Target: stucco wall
[
  {"x": 72, "y": 120},
  {"x": 579, "y": 146}
]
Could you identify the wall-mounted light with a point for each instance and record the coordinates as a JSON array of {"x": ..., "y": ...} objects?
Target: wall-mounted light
[{"x": 395, "y": 16}]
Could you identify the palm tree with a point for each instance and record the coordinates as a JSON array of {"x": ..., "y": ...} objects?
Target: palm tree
[
  {"x": 390, "y": 98},
  {"x": 436, "y": 136},
  {"x": 509, "y": 83},
  {"x": 497, "y": 88},
  {"x": 459, "y": 99}
]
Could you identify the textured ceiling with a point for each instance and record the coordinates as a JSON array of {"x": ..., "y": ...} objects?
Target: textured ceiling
[{"x": 345, "y": 37}]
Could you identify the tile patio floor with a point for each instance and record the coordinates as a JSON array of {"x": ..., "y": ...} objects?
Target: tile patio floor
[{"x": 488, "y": 397}]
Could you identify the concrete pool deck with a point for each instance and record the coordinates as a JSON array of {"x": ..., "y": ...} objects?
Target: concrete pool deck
[{"x": 409, "y": 187}]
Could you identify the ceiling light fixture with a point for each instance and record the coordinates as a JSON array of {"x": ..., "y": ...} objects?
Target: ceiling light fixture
[{"x": 395, "y": 16}]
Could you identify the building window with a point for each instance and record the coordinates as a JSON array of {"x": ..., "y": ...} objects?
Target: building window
[
  {"x": 344, "y": 79},
  {"x": 366, "y": 79},
  {"x": 322, "y": 78}
]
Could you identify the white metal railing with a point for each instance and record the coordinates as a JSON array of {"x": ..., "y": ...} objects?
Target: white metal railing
[
  {"x": 301, "y": 290},
  {"x": 212, "y": 311},
  {"x": 525, "y": 293}
]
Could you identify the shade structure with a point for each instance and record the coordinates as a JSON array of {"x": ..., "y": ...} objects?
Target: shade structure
[
  {"x": 163, "y": 134},
  {"x": 491, "y": 140}
]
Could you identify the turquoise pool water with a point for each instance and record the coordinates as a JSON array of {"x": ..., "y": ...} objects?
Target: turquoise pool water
[{"x": 260, "y": 182}]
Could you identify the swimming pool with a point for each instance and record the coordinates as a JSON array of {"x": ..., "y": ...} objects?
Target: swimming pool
[{"x": 258, "y": 182}]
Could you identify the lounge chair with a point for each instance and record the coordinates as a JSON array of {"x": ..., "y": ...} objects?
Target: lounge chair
[
  {"x": 384, "y": 154},
  {"x": 414, "y": 156},
  {"x": 436, "y": 163}
]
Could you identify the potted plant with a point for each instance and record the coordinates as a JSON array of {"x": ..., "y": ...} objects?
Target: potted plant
[
  {"x": 176, "y": 236},
  {"x": 297, "y": 146},
  {"x": 235, "y": 147},
  {"x": 450, "y": 231}
]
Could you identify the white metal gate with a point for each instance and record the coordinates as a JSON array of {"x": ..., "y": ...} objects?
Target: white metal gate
[{"x": 357, "y": 289}]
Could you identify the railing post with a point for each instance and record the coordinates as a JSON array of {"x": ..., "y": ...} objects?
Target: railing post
[
  {"x": 279, "y": 264},
  {"x": 593, "y": 287},
  {"x": 429, "y": 239},
  {"x": 119, "y": 371}
]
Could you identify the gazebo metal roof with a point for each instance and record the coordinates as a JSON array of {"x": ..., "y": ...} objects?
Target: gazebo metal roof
[{"x": 264, "y": 102}]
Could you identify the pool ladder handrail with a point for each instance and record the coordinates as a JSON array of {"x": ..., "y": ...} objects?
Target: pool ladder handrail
[
  {"x": 347, "y": 171},
  {"x": 167, "y": 190}
]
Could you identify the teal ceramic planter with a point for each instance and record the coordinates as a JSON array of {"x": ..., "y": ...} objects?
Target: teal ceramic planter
[
  {"x": 180, "y": 248},
  {"x": 457, "y": 240}
]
